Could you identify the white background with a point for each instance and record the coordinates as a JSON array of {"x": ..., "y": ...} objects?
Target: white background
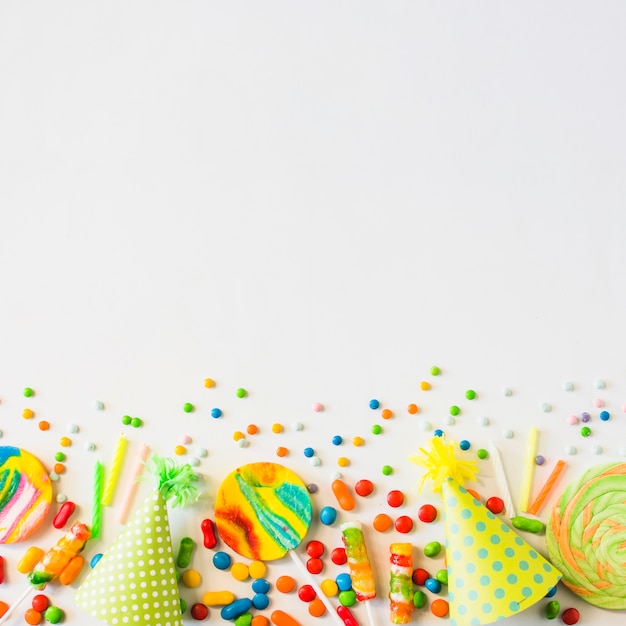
[{"x": 316, "y": 201}]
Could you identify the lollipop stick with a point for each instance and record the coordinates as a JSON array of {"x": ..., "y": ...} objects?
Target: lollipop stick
[
  {"x": 14, "y": 606},
  {"x": 320, "y": 594},
  {"x": 501, "y": 480},
  {"x": 370, "y": 613}
]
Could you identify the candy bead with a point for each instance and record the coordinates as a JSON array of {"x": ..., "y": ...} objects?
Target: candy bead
[
  {"x": 338, "y": 556},
  {"x": 236, "y": 608},
  {"x": 260, "y": 585},
  {"x": 240, "y": 571},
  {"x": 495, "y": 505},
  {"x": 530, "y": 525},
  {"x": 280, "y": 618},
  {"x": 442, "y": 576},
  {"x": 419, "y": 599},
  {"x": 347, "y": 597},
  {"x": 346, "y": 616},
  {"x": 374, "y": 404},
  {"x": 432, "y": 584},
  {"x": 552, "y": 609},
  {"x": 364, "y": 487},
  {"x": 382, "y": 522},
  {"x": 199, "y": 611},
  {"x": 343, "y": 495},
  {"x": 315, "y": 548},
  {"x": 221, "y": 560},
  {"x": 570, "y": 616},
  {"x": 316, "y": 608},
  {"x": 257, "y": 569},
  {"x": 209, "y": 537},
  {"x": 329, "y": 587},
  {"x": 259, "y": 620},
  {"x": 420, "y": 576},
  {"x": 439, "y": 607},
  {"x": 32, "y": 617},
  {"x": 218, "y": 598},
  {"x": 40, "y": 602},
  {"x": 285, "y": 584},
  {"x": 191, "y": 578},
  {"x": 314, "y": 565},
  {"x": 187, "y": 544},
  {"x": 344, "y": 582},
  {"x": 53, "y": 614},
  {"x": 395, "y": 498},
  {"x": 64, "y": 513},
  {"x": 404, "y": 524},
  {"x": 386, "y": 414},
  {"x": 432, "y": 549},
  {"x": 337, "y": 440},
  {"x": 306, "y": 593},
  {"x": 328, "y": 515},
  {"x": 427, "y": 513},
  {"x": 260, "y": 601},
  {"x": 95, "y": 559},
  {"x": 31, "y": 557}
]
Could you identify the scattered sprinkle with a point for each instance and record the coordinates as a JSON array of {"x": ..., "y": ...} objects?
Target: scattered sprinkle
[
  {"x": 188, "y": 407},
  {"x": 424, "y": 385},
  {"x": 546, "y": 407},
  {"x": 317, "y": 407},
  {"x": 241, "y": 392},
  {"x": 374, "y": 404},
  {"x": 209, "y": 383},
  {"x": 387, "y": 470},
  {"x": 567, "y": 386},
  {"x": 435, "y": 371},
  {"x": 377, "y": 429},
  {"x": 599, "y": 383},
  {"x": 277, "y": 428},
  {"x": 507, "y": 392},
  {"x": 215, "y": 413},
  {"x": 483, "y": 421},
  {"x": 470, "y": 394}
]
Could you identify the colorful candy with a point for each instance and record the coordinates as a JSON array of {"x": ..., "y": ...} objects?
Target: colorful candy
[
  {"x": 25, "y": 494},
  {"x": 59, "y": 556},
  {"x": 343, "y": 495},
  {"x": 280, "y": 618},
  {"x": 358, "y": 561},
  {"x": 209, "y": 537},
  {"x": 400, "y": 583},
  {"x": 64, "y": 513},
  {"x": 263, "y": 510},
  {"x": 185, "y": 550}
]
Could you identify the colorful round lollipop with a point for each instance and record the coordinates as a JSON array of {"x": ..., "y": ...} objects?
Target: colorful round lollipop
[
  {"x": 25, "y": 494},
  {"x": 587, "y": 533},
  {"x": 263, "y": 510}
]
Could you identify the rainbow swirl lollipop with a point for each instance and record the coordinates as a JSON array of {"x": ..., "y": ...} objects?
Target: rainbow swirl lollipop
[
  {"x": 586, "y": 536},
  {"x": 25, "y": 494},
  {"x": 263, "y": 510}
]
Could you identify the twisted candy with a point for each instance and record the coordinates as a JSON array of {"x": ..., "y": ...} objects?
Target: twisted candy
[{"x": 586, "y": 536}]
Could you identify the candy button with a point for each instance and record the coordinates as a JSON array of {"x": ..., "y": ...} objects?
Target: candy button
[
  {"x": 306, "y": 593},
  {"x": 315, "y": 548},
  {"x": 395, "y": 498},
  {"x": 328, "y": 515},
  {"x": 404, "y": 524},
  {"x": 420, "y": 576},
  {"x": 495, "y": 505},
  {"x": 344, "y": 581},
  {"x": 240, "y": 571},
  {"x": 570, "y": 616},
  {"x": 347, "y": 597},
  {"x": 427, "y": 513},
  {"x": 218, "y": 598},
  {"x": 329, "y": 587},
  {"x": 432, "y": 584},
  {"x": 419, "y": 599},
  {"x": 439, "y": 607},
  {"x": 364, "y": 487},
  {"x": 552, "y": 609},
  {"x": 285, "y": 584},
  {"x": 260, "y": 601},
  {"x": 316, "y": 608},
  {"x": 199, "y": 611},
  {"x": 191, "y": 578},
  {"x": 432, "y": 549},
  {"x": 338, "y": 556},
  {"x": 314, "y": 565},
  {"x": 221, "y": 560},
  {"x": 382, "y": 522},
  {"x": 257, "y": 569}
]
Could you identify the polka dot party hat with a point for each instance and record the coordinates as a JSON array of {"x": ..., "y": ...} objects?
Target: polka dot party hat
[
  {"x": 135, "y": 581},
  {"x": 492, "y": 572}
]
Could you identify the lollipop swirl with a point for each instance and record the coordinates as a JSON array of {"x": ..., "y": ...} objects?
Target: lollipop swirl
[{"x": 586, "y": 536}]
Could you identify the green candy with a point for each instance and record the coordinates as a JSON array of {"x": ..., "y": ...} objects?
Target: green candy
[
  {"x": 245, "y": 619},
  {"x": 432, "y": 549},
  {"x": 442, "y": 576},
  {"x": 552, "y": 609},
  {"x": 530, "y": 525},
  {"x": 54, "y": 614},
  {"x": 419, "y": 599},
  {"x": 347, "y": 598}
]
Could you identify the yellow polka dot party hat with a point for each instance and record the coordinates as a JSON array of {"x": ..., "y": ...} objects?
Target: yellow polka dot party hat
[
  {"x": 492, "y": 572},
  {"x": 135, "y": 580}
]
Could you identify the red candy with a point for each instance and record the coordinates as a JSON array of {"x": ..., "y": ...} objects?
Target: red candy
[
  {"x": 346, "y": 617},
  {"x": 208, "y": 533},
  {"x": 395, "y": 498},
  {"x": 315, "y": 548},
  {"x": 364, "y": 487},
  {"x": 306, "y": 593},
  {"x": 495, "y": 505},
  {"x": 199, "y": 611},
  {"x": 404, "y": 524},
  {"x": 66, "y": 510},
  {"x": 420, "y": 576},
  {"x": 314, "y": 565},
  {"x": 338, "y": 556},
  {"x": 40, "y": 602},
  {"x": 570, "y": 616},
  {"x": 427, "y": 513}
]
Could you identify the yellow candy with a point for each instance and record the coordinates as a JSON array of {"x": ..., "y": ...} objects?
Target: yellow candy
[
  {"x": 342, "y": 461},
  {"x": 240, "y": 571},
  {"x": 28, "y": 414},
  {"x": 65, "y": 442},
  {"x": 358, "y": 441},
  {"x": 329, "y": 588},
  {"x": 237, "y": 435},
  {"x": 191, "y": 578},
  {"x": 277, "y": 428},
  {"x": 257, "y": 569},
  {"x": 208, "y": 383},
  {"x": 180, "y": 450},
  {"x": 218, "y": 598},
  {"x": 31, "y": 557}
]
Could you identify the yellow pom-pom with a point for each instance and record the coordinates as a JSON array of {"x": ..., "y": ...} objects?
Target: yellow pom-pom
[{"x": 440, "y": 464}]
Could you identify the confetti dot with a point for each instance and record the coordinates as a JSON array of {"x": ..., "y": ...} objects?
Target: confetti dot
[
  {"x": 28, "y": 414},
  {"x": 277, "y": 428},
  {"x": 209, "y": 383},
  {"x": 317, "y": 407},
  {"x": 377, "y": 429},
  {"x": 567, "y": 386},
  {"x": 386, "y": 414},
  {"x": 412, "y": 409},
  {"x": 483, "y": 421},
  {"x": 358, "y": 441},
  {"x": 374, "y": 404},
  {"x": 470, "y": 394},
  {"x": 343, "y": 461},
  {"x": 424, "y": 385},
  {"x": 188, "y": 407},
  {"x": 546, "y": 407}
]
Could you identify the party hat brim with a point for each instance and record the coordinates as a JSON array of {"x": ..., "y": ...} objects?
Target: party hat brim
[
  {"x": 492, "y": 572},
  {"x": 135, "y": 581}
]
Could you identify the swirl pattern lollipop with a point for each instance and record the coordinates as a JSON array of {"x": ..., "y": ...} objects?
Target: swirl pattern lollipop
[
  {"x": 263, "y": 510},
  {"x": 25, "y": 494},
  {"x": 586, "y": 536}
]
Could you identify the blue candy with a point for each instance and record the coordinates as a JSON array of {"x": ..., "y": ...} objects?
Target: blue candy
[
  {"x": 236, "y": 608},
  {"x": 328, "y": 515}
]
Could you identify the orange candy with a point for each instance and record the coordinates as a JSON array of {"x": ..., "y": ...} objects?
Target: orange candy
[
  {"x": 252, "y": 429},
  {"x": 43, "y": 425},
  {"x": 382, "y": 522},
  {"x": 343, "y": 495},
  {"x": 316, "y": 608},
  {"x": 439, "y": 607},
  {"x": 259, "y": 620},
  {"x": 386, "y": 414},
  {"x": 285, "y": 584},
  {"x": 4, "y": 607},
  {"x": 474, "y": 494},
  {"x": 32, "y": 617},
  {"x": 59, "y": 468},
  {"x": 280, "y": 451},
  {"x": 412, "y": 409}
]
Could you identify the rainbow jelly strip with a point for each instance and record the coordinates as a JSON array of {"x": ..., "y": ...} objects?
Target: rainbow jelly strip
[
  {"x": 400, "y": 583},
  {"x": 358, "y": 561}
]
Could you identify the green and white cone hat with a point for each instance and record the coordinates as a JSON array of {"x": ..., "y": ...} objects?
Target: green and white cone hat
[{"x": 135, "y": 581}]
